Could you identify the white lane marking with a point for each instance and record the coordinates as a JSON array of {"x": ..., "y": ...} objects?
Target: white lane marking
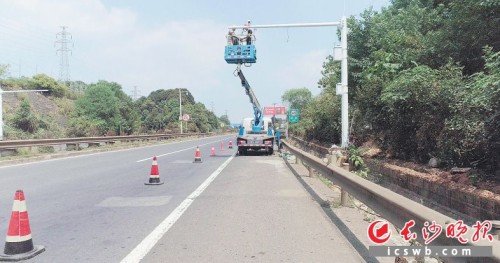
[
  {"x": 141, "y": 250},
  {"x": 90, "y": 154},
  {"x": 158, "y": 156},
  {"x": 194, "y": 147}
]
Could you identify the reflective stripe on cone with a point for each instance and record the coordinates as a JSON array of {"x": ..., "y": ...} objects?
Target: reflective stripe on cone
[
  {"x": 154, "y": 175},
  {"x": 18, "y": 243}
]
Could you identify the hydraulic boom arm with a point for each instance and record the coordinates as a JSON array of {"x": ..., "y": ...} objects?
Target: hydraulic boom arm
[{"x": 257, "y": 126}]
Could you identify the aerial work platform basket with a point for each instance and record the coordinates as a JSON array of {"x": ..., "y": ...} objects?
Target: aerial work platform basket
[{"x": 240, "y": 54}]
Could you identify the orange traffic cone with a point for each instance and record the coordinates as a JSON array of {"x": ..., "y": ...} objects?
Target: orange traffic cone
[
  {"x": 222, "y": 146},
  {"x": 18, "y": 244},
  {"x": 154, "y": 178},
  {"x": 230, "y": 146},
  {"x": 197, "y": 155},
  {"x": 212, "y": 151}
]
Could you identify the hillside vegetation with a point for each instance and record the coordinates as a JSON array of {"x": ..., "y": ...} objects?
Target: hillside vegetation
[
  {"x": 76, "y": 109},
  {"x": 424, "y": 81}
]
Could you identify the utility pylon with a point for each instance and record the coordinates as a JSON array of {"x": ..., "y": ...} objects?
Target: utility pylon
[
  {"x": 135, "y": 93},
  {"x": 64, "y": 38}
]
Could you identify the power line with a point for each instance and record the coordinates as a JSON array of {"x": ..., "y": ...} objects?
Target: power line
[
  {"x": 22, "y": 45},
  {"x": 20, "y": 37},
  {"x": 63, "y": 41}
]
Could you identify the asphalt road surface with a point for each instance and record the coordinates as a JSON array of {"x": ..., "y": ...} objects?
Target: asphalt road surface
[{"x": 96, "y": 208}]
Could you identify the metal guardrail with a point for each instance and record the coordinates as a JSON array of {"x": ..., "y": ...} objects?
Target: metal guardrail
[
  {"x": 395, "y": 208},
  {"x": 9, "y": 144},
  {"x": 316, "y": 147}
]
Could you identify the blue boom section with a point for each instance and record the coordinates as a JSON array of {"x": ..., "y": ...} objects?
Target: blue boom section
[
  {"x": 257, "y": 109},
  {"x": 240, "y": 54}
]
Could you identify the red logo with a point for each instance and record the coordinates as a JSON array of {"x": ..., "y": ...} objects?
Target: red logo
[
  {"x": 406, "y": 232},
  {"x": 457, "y": 230},
  {"x": 380, "y": 234},
  {"x": 484, "y": 228},
  {"x": 431, "y": 232}
]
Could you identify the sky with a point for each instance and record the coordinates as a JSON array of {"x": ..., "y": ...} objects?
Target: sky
[{"x": 168, "y": 44}]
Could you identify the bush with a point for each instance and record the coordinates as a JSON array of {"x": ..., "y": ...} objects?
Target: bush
[
  {"x": 84, "y": 127},
  {"x": 56, "y": 89},
  {"x": 416, "y": 105},
  {"x": 24, "y": 119},
  {"x": 46, "y": 149}
]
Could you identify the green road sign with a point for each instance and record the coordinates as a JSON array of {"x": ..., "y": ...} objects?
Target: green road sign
[{"x": 294, "y": 115}]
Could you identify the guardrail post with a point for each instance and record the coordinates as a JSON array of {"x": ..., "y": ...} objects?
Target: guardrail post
[
  {"x": 328, "y": 159},
  {"x": 344, "y": 195},
  {"x": 311, "y": 171},
  {"x": 72, "y": 146},
  {"x": 7, "y": 152}
]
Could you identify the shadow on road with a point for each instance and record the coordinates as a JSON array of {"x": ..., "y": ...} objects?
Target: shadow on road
[{"x": 251, "y": 153}]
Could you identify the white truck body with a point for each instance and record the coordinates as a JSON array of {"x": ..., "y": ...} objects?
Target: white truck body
[{"x": 257, "y": 142}]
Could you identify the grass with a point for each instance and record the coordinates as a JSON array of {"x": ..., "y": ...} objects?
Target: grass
[
  {"x": 46, "y": 149},
  {"x": 326, "y": 181}
]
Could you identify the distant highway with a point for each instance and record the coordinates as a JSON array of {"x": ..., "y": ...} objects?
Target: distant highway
[{"x": 96, "y": 208}]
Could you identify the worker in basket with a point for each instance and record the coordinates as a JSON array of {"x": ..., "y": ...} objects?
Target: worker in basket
[
  {"x": 232, "y": 37},
  {"x": 249, "y": 32}
]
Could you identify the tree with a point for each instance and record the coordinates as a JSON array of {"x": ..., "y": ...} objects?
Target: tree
[
  {"x": 42, "y": 81},
  {"x": 224, "y": 119},
  {"x": 297, "y": 98},
  {"x": 418, "y": 85},
  {"x": 321, "y": 118},
  {"x": 490, "y": 82},
  {"x": 199, "y": 117},
  {"x": 129, "y": 120},
  {"x": 416, "y": 105},
  {"x": 78, "y": 86},
  {"x": 470, "y": 25},
  {"x": 161, "y": 110},
  {"x": 24, "y": 119},
  {"x": 3, "y": 70},
  {"x": 100, "y": 107},
  {"x": 471, "y": 135}
]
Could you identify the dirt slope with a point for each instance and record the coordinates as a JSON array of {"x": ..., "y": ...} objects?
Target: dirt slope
[{"x": 40, "y": 104}]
